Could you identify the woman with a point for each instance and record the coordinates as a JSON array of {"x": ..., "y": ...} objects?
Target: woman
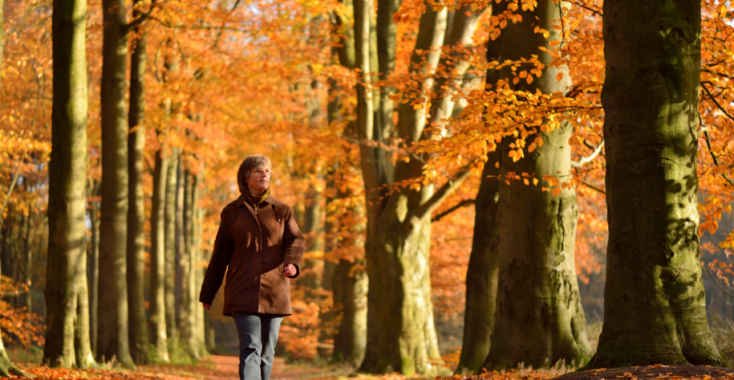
[{"x": 260, "y": 247}]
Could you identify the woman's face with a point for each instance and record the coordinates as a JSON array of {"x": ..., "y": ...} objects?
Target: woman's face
[{"x": 259, "y": 180}]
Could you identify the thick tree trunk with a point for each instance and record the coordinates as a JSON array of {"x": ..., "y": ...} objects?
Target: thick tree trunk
[
  {"x": 112, "y": 334},
  {"x": 136, "y": 211},
  {"x": 66, "y": 292},
  {"x": 401, "y": 332},
  {"x": 386, "y": 48},
  {"x": 539, "y": 319},
  {"x": 482, "y": 273},
  {"x": 654, "y": 299},
  {"x": 158, "y": 259},
  {"x": 169, "y": 283}
]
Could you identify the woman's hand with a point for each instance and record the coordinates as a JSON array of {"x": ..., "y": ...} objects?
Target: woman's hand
[
  {"x": 289, "y": 270},
  {"x": 207, "y": 306}
]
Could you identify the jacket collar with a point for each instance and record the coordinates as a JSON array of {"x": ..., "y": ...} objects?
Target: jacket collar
[{"x": 241, "y": 200}]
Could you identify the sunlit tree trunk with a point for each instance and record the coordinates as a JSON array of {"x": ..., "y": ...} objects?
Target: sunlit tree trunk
[
  {"x": 386, "y": 35},
  {"x": 136, "y": 211},
  {"x": 483, "y": 270},
  {"x": 187, "y": 270},
  {"x": 170, "y": 245},
  {"x": 112, "y": 335},
  {"x": 158, "y": 259},
  {"x": 654, "y": 303},
  {"x": 67, "y": 334},
  {"x": 93, "y": 188},
  {"x": 539, "y": 318},
  {"x": 401, "y": 332},
  {"x": 452, "y": 66}
]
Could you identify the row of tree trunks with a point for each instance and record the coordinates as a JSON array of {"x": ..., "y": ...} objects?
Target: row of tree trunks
[{"x": 67, "y": 334}]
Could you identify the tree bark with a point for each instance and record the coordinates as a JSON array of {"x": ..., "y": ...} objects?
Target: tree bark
[
  {"x": 7, "y": 368},
  {"x": 654, "y": 300},
  {"x": 170, "y": 244},
  {"x": 138, "y": 333},
  {"x": 401, "y": 332},
  {"x": 539, "y": 318},
  {"x": 112, "y": 335},
  {"x": 453, "y": 66},
  {"x": 93, "y": 262},
  {"x": 66, "y": 292},
  {"x": 187, "y": 271},
  {"x": 158, "y": 259},
  {"x": 482, "y": 273}
]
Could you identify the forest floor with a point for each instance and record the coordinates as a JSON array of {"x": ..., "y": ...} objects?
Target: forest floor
[{"x": 225, "y": 368}]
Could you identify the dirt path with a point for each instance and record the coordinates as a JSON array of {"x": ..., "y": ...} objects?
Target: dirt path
[{"x": 226, "y": 368}]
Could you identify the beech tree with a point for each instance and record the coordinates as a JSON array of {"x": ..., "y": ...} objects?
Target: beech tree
[
  {"x": 655, "y": 309},
  {"x": 67, "y": 335},
  {"x": 539, "y": 318},
  {"x": 138, "y": 331}
]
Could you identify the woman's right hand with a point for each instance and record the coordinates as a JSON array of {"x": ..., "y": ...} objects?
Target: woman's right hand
[{"x": 207, "y": 306}]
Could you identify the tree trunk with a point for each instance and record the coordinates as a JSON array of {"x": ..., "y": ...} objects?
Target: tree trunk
[
  {"x": 453, "y": 66},
  {"x": 136, "y": 211},
  {"x": 93, "y": 263},
  {"x": 314, "y": 242},
  {"x": 112, "y": 326},
  {"x": 66, "y": 293},
  {"x": 654, "y": 300},
  {"x": 180, "y": 244},
  {"x": 386, "y": 48},
  {"x": 187, "y": 271},
  {"x": 350, "y": 296},
  {"x": 539, "y": 318},
  {"x": 483, "y": 270},
  {"x": 401, "y": 332},
  {"x": 7, "y": 368},
  {"x": 170, "y": 244},
  {"x": 158, "y": 259}
]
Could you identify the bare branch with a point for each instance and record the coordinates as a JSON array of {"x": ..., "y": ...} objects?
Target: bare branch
[
  {"x": 708, "y": 270},
  {"x": 592, "y": 187},
  {"x": 711, "y": 152},
  {"x": 585, "y": 160},
  {"x": 713, "y": 99},
  {"x": 453, "y": 208},
  {"x": 594, "y": 11}
]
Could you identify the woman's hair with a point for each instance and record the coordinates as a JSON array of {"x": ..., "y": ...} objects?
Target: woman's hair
[{"x": 251, "y": 162}]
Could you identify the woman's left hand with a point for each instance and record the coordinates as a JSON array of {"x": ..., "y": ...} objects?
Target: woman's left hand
[{"x": 289, "y": 270}]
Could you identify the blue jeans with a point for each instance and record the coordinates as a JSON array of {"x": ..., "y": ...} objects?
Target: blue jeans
[{"x": 258, "y": 335}]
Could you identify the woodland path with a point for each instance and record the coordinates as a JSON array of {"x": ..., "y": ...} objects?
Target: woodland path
[{"x": 226, "y": 369}]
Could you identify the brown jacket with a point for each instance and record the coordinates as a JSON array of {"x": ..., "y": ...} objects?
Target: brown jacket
[{"x": 253, "y": 246}]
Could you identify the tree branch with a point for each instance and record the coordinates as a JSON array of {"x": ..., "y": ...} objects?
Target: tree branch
[
  {"x": 707, "y": 270},
  {"x": 592, "y": 187},
  {"x": 715, "y": 102},
  {"x": 10, "y": 191},
  {"x": 585, "y": 160},
  {"x": 708, "y": 145},
  {"x": 594, "y": 11},
  {"x": 439, "y": 196},
  {"x": 134, "y": 23},
  {"x": 453, "y": 208}
]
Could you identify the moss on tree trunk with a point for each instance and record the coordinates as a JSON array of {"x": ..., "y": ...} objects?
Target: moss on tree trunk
[
  {"x": 539, "y": 318},
  {"x": 654, "y": 298}
]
